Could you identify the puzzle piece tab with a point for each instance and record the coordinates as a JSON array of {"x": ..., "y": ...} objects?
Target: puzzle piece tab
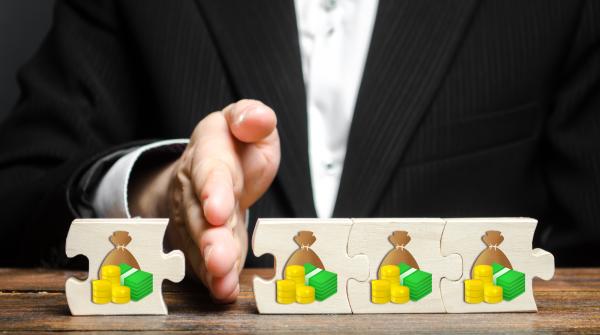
[
  {"x": 143, "y": 239},
  {"x": 501, "y": 245},
  {"x": 415, "y": 242},
  {"x": 281, "y": 238}
]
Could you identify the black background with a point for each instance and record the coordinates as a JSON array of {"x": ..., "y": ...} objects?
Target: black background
[{"x": 23, "y": 24}]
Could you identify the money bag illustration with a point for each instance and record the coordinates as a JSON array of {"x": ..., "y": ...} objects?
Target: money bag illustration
[
  {"x": 399, "y": 254},
  {"x": 492, "y": 254},
  {"x": 305, "y": 254},
  {"x": 119, "y": 254}
]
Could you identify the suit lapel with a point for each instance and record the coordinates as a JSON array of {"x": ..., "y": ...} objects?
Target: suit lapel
[
  {"x": 413, "y": 43},
  {"x": 258, "y": 41}
]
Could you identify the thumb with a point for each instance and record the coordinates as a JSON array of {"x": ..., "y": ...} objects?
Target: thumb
[{"x": 250, "y": 120}]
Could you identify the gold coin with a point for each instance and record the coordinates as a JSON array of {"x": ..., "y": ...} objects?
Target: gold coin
[
  {"x": 294, "y": 271},
  {"x": 393, "y": 281},
  {"x": 110, "y": 271},
  {"x": 286, "y": 285},
  {"x": 483, "y": 270},
  {"x": 102, "y": 294},
  {"x": 389, "y": 271},
  {"x": 305, "y": 300},
  {"x": 473, "y": 284},
  {"x": 380, "y": 285},
  {"x": 400, "y": 291},
  {"x": 305, "y": 291},
  {"x": 116, "y": 300},
  {"x": 473, "y": 300},
  {"x": 492, "y": 300},
  {"x": 472, "y": 295},
  {"x": 380, "y": 294},
  {"x": 101, "y": 285},
  {"x": 285, "y": 301},
  {"x": 492, "y": 290},
  {"x": 377, "y": 300},
  {"x": 400, "y": 300},
  {"x": 121, "y": 292},
  {"x": 286, "y": 294},
  {"x": 100, "y": 301}
]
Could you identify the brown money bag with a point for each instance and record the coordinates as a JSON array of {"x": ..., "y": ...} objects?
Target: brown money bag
[
  {"x": 399, "y": 254},
  {"x": 120, "y": 254},
  {"x": 492, "y": 254},
  {"x": 304, "y": 254}
]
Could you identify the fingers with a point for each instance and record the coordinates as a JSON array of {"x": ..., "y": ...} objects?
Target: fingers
[
  {"x": 219, "y": 250},
  {"x": 228, "y": 150},
  {"x": 226, "y": 288},
  {"x": 216, "y": 173},
  {"x": 250, "y": 120},
  {"x": 259, "y": 163},
  {"x": 217, "y": 196}
]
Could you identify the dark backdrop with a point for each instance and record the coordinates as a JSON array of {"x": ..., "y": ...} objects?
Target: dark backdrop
[{"x": 23, "y": 24}]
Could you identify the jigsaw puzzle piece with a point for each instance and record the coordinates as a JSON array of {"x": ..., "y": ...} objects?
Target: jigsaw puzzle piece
[
  {"x": 276, "y": 237},
  {"x": 513, "y": 238},
  {"x": 91, "y": 238},
  {"x": 413, "y": 240}
]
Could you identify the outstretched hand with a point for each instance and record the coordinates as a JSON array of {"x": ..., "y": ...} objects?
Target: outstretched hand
[{"x": 230, "y": 161}]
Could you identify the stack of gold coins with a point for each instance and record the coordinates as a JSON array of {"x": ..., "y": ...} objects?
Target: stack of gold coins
[
  {"x": 121, "y": 294},
  {"x": 399, "y": 294},
  {"x": 286, "y": 291},
  {"x": 305, "y": 294},
  {"x": 101, "y": 291},
  {"x": 390, "y": 273},
  {"x": 492, "y": 294},
  {"x": 380, "y": 291},
  {"x": 473, "y": 291},
  {"x": 483, "y": 273},
  {"x": 295, "y": 273},
  {"x": 111, "y": 273}
]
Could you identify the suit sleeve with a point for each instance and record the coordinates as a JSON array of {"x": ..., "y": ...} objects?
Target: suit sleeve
[
  {"x": 76, "y": 106},
  {"x": 572, "y": 158}
]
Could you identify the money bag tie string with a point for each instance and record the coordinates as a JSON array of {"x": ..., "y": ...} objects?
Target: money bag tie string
[
  {"x": 305, "y": 247},
  {"x": 121, "y": 246},
  {"x": 401, "y": 247},
  {"x": 494, "y": 246}
]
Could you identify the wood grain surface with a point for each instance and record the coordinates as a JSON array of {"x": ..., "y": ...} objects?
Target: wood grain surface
[{"x": 33, "y": 300}]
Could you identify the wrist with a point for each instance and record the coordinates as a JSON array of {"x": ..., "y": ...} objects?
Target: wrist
[{"x": 148, "y": 190}]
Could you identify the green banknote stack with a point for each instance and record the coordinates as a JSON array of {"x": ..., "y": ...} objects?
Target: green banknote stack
[
  {"x": 511, "y": 281},
  {"x": 419, "y": 282},
  {"x": 140, "y": 282},
  {"x": 324, "y": 282}
]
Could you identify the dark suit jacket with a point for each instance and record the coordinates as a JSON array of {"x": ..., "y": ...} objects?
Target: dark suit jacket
[{"x": 466, "y": 108}]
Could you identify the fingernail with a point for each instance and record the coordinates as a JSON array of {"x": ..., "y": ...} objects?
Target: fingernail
[
  {"x": 237, "y": 266},
  {"x": 206, "y": 253},
  {"x": 240, "y": 118}
]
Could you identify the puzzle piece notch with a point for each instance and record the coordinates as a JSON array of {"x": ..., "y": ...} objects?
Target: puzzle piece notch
[
  {"x": 274, "y": 236},
  {"x": 463, "y": 236},
  {"x": 90, "y": 237},
  {"x": 370, "y": 237}
]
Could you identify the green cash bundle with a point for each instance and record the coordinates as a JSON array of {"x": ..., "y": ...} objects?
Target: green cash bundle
[
  {"x": 511, "y": 281},
  {"x": 140, "y": 282},
  {"x": 324, "y": 282},
  {"x": 418, "y": 282}
]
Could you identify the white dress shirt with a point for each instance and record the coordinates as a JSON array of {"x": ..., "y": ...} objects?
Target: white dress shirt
[{"x": 334, "y": 42}]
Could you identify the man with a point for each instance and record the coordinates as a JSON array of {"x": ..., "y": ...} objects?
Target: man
[{"x": 329, "y": 108}]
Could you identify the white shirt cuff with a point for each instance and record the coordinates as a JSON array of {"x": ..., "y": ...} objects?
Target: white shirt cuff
[{"x": 110, "y": 198}]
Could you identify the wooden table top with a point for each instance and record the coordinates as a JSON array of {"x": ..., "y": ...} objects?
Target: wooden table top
[{"x": 34, "y": 300}]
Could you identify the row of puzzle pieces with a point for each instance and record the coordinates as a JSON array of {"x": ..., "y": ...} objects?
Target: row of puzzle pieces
[{"x": 354, "y": 248}]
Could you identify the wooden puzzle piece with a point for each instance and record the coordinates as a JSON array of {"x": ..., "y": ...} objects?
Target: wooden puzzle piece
[
  {"x": 277, "y": 237},
  {"x": 415, "y": 242},
  {"x": 92, "y": 238},
  {"x": 487, "y": 240}
]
